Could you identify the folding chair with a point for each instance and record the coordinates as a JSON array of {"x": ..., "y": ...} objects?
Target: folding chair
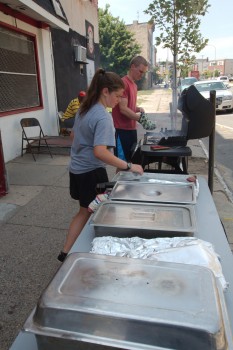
[
  {"x": 39, "y": 140},
  {"x": 63, "y": 128}
]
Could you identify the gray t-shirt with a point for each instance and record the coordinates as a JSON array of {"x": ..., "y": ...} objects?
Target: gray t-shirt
[{"x": 92, "y": 129}]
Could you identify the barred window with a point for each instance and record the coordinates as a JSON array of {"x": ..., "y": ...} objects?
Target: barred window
[{"x": 19, "y": 88}]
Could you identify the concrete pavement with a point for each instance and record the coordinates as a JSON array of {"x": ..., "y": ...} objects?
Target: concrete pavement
[{"x": 34, "y": 218}]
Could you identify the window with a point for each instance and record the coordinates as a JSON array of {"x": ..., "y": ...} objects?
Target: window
[{"x": 19, "y": 85}]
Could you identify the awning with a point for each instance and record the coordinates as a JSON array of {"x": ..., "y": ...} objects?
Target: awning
[{"x": 30, "y": 9}]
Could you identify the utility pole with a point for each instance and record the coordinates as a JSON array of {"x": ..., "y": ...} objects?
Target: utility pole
[{"x": 215, "y": 59}]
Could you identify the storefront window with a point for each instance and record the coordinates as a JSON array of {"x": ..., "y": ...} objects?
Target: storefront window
[{"x": 19, "y": 86}]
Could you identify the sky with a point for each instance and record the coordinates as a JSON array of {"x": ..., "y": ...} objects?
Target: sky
[{"x": 216, "y": 25}]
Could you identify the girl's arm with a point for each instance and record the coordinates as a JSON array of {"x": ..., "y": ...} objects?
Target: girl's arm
[{"x": 101, "y": 152}]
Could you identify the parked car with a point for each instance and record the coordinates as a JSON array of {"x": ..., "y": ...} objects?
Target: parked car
[
  {"x": 224, "y": 79},
  {"x": 231, "y": 78},
  {"x": 185, "y": 83},
  {"x": 224, "y": 97}
]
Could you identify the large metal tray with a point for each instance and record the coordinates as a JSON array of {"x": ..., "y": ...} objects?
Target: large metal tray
[
  {"x": 153, "y": 192},
  {"x": 103, "y": 302},
  {"x": 150, "y": 177},
  {"x": 129, "y": 219}
]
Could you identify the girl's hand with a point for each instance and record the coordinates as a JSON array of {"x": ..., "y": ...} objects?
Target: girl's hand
[{"x": 136, "y": 168}]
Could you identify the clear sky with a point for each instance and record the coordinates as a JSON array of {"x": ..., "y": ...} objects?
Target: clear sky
[{"x": 217, "y": 25}]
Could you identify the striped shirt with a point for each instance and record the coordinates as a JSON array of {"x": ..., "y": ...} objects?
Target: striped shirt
[{"x": 71, "y": 109}]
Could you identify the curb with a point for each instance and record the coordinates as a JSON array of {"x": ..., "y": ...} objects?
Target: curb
[{"x": 228, "y": 192}]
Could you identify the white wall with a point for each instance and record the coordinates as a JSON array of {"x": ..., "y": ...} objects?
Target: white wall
[
  {"x": 10, "y": 125},
  {"x": 90, "y": 71},
  {"x": 77, "y": 11}
]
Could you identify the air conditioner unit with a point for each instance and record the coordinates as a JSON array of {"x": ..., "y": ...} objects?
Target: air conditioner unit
[{"x": 80, "y": 53}]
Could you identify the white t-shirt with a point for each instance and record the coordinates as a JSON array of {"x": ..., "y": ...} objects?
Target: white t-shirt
[{"x": 92, "y": 129}]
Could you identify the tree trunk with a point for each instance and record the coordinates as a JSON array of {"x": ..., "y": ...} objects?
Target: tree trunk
[{"x": 174, "y": 94}]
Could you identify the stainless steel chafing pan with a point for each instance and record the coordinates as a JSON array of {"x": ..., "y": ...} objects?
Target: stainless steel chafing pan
[
  {"x": 153, "y": 192},
  {"x": 103, "y": 302},
  {"x": 128, "y": 219}
]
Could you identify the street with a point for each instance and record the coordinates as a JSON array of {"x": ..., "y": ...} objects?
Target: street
[{"x": 223, "y": 147}]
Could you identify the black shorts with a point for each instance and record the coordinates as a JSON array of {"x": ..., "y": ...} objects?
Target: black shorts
[
  {"x": 128, "y": 140},
  {"x": 83, "y": 186}
]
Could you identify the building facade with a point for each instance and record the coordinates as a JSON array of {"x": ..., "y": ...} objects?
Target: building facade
[
  {"x": 49, "y": 50},
  {"x": 143, "y": 34},
  {"x": 76, "y": 53},
  {"x": 218, "y": 66},
  {"x": 223, "y": 66}
]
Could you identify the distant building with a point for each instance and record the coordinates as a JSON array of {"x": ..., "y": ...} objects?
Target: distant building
[
  {"x": 201, "y": 65},
  {"x": 143, "y": 33},
  {"x": 228, "y": 64},
  {"x": 223, "y": 66}
]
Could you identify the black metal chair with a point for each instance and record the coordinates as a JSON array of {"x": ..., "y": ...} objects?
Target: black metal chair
[{"x": 33, "y": 140}]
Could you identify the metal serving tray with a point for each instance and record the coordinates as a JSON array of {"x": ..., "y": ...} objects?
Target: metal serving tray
[
  {"x": 129, "y": 219},
  {"x": 150, "y": 177},
  {"x": 103, "y": 302},
  {"x": 153, "y": 192}
]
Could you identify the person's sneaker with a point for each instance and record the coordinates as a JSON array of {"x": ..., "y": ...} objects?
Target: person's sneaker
[{"x": 61, "y": 257}]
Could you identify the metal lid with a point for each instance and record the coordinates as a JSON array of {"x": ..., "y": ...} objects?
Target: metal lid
[
  {"x": 131, "y": 303},
  {"x": 153, "y": 192},
  {"x": 157, "y": 216}
]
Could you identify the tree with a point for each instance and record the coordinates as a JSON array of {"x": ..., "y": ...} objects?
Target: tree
[
  {"x": 178, "y": 22},
  {"x": 117, "y": 44},
  {"x": 207, "y": 74},
  {"x": 185, "y": 66},
  {"x": 155, "y": 75}
]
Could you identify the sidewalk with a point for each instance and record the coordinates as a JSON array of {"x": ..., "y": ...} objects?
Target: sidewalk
[{"x": 35, "y": 215}]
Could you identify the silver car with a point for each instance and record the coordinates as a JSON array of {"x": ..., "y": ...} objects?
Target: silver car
[
  {"x": 185, "y": 83},
  {"x": 224, "y": 98}
]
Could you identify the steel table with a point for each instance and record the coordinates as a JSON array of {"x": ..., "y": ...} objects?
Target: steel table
[
  {"x": 150, "y": 156},
  {"x": 209, "y": 228}
]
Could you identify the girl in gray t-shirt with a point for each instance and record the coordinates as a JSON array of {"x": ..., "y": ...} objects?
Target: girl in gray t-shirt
[{"x": 92, "y": 148}]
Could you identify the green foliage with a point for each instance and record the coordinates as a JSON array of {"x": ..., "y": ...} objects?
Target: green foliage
[
  {"x": 210, "y": 74},
  {"x": 140, "y": 83},
  {"x": 155, "y": 75},
  {"x": 207, "y": 74},
  {"x": 178, "y": 22},
  {"x": 186, "y": 64},
  {"x": 117, "y": 44}
]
